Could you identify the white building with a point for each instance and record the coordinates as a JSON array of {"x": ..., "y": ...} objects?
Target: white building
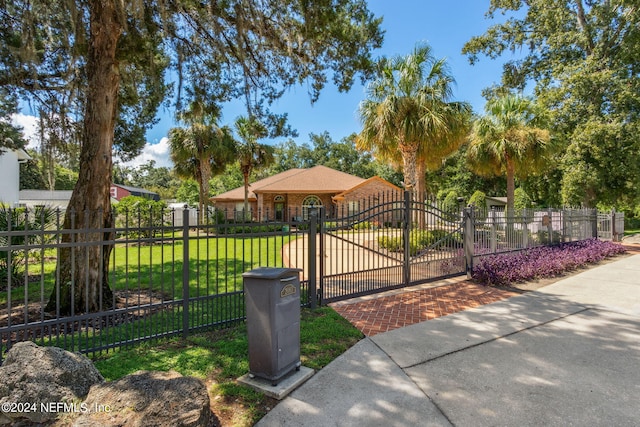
[
  {"x": 10, "y": 175},
  {"x": 53, "y": 199}
]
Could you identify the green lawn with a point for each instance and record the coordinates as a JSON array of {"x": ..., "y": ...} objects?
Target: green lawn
[
  {"x": 220, "y": 357},
  {"x": 138, "y": 271},
  {"x": 631, "y": 231},
  {"x": 215, "y": 265}
]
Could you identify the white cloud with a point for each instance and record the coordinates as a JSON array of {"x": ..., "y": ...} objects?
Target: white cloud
[
  {"x": 158, "y": 152},
  {"x": 29, "y": 125}
]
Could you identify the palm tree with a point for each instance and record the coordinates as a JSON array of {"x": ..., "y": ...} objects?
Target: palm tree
[
  {"x": 201, "y": 150},
  {"x": 408, "y": 115},
  {"x": 507, "y": 141},
  {"x": 250, "y": 153}
]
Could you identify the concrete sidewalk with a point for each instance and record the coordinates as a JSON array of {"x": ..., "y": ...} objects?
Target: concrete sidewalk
[{"x": 567, "y": 354}]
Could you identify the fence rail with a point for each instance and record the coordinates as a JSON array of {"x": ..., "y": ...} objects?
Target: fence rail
[
  {"x": 611, "y": 225},
  {"x": 497, "y": 232},
  {"x": 166, "y": 274},
  {"x": 171, "y": 273}
]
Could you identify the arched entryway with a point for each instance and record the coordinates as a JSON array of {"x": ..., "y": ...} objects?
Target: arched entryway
[
  {"x": 310, "y": 202},
  {"x": 278, "y": 207}
]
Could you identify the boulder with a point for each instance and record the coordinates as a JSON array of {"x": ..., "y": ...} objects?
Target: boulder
[
  {"x": 147, "y": 399},
  {"x": 44, "y": 378}
]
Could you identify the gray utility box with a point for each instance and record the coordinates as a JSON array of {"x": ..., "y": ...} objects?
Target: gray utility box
[{"x": 272, "y": 300}]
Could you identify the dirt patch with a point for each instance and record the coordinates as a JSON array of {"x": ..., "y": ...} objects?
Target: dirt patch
[
  {"x": 235, "y": 411},
  {"x": 34, "y": 323}
]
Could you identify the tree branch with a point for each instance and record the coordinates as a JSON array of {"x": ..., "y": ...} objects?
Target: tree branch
[{"x": 584, "y": 26}]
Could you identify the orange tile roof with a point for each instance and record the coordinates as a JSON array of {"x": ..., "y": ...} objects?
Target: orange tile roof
[
  {"x": 391, "y": 186},
  {"x": 238, "y": 193},
  {"x": 318, "y": 179}
]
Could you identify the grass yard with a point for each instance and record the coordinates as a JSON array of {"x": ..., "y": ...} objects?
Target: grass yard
[
  {"x": 631, "y": 232},
  {"x": 151, "y": 272},
  {"x": 220, "y": 357},
  {"x": 215, "y": 265}
]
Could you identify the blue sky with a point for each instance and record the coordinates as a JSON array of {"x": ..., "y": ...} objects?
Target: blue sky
[{"x": 444, "y": 25}]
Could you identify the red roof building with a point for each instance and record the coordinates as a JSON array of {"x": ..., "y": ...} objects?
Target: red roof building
[{"x": 289, "y": 195}]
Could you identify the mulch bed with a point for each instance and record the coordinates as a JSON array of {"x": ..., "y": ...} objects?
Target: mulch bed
[{"x": 137, "y": 304}]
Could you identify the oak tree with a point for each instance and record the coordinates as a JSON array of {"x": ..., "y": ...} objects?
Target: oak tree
[
  {"x": 584, "y": 58},
  {"x": 104, "y": 63}
]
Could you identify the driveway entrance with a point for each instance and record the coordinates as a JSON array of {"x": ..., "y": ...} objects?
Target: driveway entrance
[{"x": 390, "y": 244}]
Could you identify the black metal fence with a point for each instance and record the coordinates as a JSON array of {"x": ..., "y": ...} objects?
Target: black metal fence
[
  {"x": 171, "y": 272},
  {"x": 166, "y": 276},
  {"x": 387, "y": 242},
  {"x": 494, "y": 231}
]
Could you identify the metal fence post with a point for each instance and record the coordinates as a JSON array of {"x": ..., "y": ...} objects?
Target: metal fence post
[
  {"x": 406, "y": 232},
  {"x": 494, "y": 231},
  {"x": 550, "y": 226},
  {"x": 469, "y": 233},
  {"x": 525, "y": 229},
  {"x": 313, "y": 285},
  {"x": 322, "y": 216},
  {"x": 613, "y": 225},
  {"x": 185, "y": 273}
]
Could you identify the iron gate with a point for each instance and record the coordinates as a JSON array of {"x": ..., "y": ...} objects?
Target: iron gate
[{"x": 385, "y": 243}]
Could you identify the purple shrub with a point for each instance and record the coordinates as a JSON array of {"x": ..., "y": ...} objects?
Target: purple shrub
[{"x": 542, "y": 262}]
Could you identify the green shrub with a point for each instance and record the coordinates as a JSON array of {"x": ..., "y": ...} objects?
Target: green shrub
[
  {"x": 41, "y": 218},
  {"x": 521, "y": 199},
  {"x": 140, "y": 216},
  {"x": 522, "y": 205},
  {"x": 542, "y": 236},
  {"x": 478, "y": 199},
  {"x": 249, "y": 228},
  {"x": 218, "y": 216},
  {"x": 420, "y": 240},
  {"x": 393, "y": 244},
  {"x": 631, "y": 223},
  {"x": 450, "y": 203},
  {"x": 365, "y": 225}
]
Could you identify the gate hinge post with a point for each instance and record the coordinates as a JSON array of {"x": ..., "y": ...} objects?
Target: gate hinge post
[
  {"x": 313, "y": 258},
  {"x": 407, "y": 237},
  {"x": 185, "y": 272}
]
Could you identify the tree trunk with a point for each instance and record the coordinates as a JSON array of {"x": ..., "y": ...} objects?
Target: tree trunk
[
  {"x": 245, "y": 175},
  {"x": 200, "y": 193},
  {"x": 421, "y": 192},
  {"x": 203, "y": 176},
  {"x": 511, "y": 187},
  {"x": 83, "y": 283},
  {"x": 205, "y": 167},
  {"x": 409, "y": 162},
  {"x": 200, "y": 200}
]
